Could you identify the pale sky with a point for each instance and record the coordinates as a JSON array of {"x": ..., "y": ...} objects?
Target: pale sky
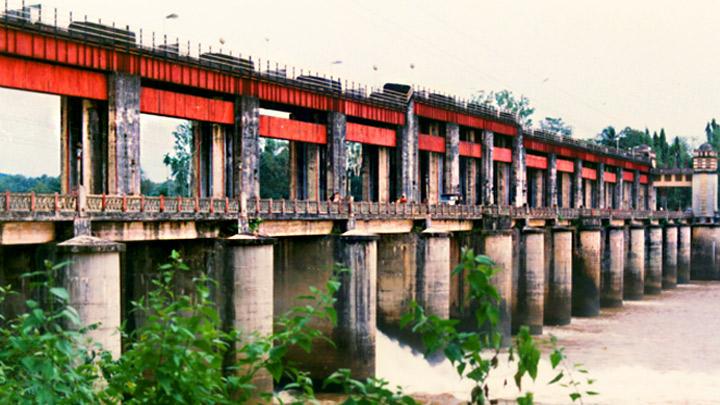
[{"x": 624, "y": 63}]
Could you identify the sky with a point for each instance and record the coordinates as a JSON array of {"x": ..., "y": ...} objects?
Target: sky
[{"x": 623, "y": 63}]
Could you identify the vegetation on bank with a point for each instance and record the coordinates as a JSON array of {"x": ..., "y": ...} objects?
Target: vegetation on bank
[{"x": 183, "y": 354}]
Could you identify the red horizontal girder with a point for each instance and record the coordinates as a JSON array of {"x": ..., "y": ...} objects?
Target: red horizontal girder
[
  {"x": 172, "y": 104},
  {"x": 431, "y": 143},
  {"x": 440, "y": 114},
  {"x": 291, "y": 130},
  {"x": 536, "y": 162},
  {"x": 470, "y": 149},
  {"x": 370, "y": 135},
  {"x": 502, "y": 155},
  {"x": 54, "y": 79}
]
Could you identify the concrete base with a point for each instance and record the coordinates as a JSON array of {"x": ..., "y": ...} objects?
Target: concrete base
[
  {"x": 670, "y": 246},
  {"x": 92, "y": 279},
  {"x": 611, "y": 291},
  {"x": 433, "y": 273},
  {"x": 704, "y": 250},
  {"x": 531, "y": 282},
  {"x": 497, "y": 245},
  {"x": 634, "y": 283},
  {"x": 586, "y": 273},
  {"x": 558, "y": 283},
  {"x": 653, "y": 260},
  {"x": 683, "y": 254},
  {"x": 396, "y": 278}
]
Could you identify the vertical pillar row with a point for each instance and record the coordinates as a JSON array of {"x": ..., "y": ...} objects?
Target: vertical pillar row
[
  {"x": 558, "y": 301},
  {"x": 451, "y": 178},
  {"x": 519, "y": 171},
  {"x": 654, "y": 259},
  {"x": 92, "y": 279},
  {"x": 683, "y": 254},
  {"x": 355, "y": 332},
  {"x": 486, "y": 169},
  {"x": 497, "y": 245},
  {"x": 612, "y": 272},
  {"x": 551, "y": 184},
  {"x": 577, "y": 188},
  {"x": 123, "y": 134},
  {"x": 433, "y": 273},
  {"x": 407, "y": 156},
  {"x": 669, "y": 268},
  {"x": 246, "y": 137},
  {"x": 703, "y": 262},
  {"x": 601, "y": 185},
  {"x": 586, "y": 272},
  {"x": 619, "y": 189},
  {"x": 531, "y": 282},
  {"x": 336, "y": 154},
  {"x": 634, "y": 285}
]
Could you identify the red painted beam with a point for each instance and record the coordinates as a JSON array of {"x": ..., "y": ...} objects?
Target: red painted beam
[
  {"x": 566, "y": 166},
  {"x": 610, "y": 177},
  {"x": 628, "y": 176},
  {"x": 440, "y": 114},
  {"x": 431, "y": 143},
  {"x": 643, "y": 179},
  {"x": 370, "y": 135},
  {"x": 179, "y": 105},
  {"x": 291, "y": 130},
  {"x": 53, "y": 79},
  {"x": 536, "y": 162},
  {"x": 470, "y": 149},
  {"x": 373, "y": 113},
  {"x": 502, "y": 155},
  {"x": 588, "y": 173},
  {"x": 587, "y": 156}
]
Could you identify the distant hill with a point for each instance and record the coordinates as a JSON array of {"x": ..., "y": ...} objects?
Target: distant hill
[{"x": 17, "y": 183}]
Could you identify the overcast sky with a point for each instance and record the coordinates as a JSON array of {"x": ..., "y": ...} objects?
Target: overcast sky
[{"x": 624, "y": 63}]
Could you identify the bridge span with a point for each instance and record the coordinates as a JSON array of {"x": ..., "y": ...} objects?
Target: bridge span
[{"x": 572, "y": 226}]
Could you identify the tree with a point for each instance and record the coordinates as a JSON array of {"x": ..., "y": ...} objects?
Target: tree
[
  {"x": 556, "y": 126},
  {"x": 180, "y": 160},
  {"x": 507, "y": 101},
  {"x": 608, "y": 136},
  {"x": 274, "y": 167}
]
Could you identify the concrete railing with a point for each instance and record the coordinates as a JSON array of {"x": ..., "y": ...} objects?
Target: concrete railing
[{"x": 32, "y": 206}]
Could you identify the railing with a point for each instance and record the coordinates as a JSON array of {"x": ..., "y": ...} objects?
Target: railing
[{"x": 58, "y": 206}]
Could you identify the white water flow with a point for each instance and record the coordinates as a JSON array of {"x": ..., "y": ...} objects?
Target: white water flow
[{"x": 662, "y": 350}]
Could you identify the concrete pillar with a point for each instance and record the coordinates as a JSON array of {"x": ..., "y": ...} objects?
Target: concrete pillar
[
  {"x": 683, "y": 254},
  {"x": 577, "y": 188},
  {"x": 487, "y": 175},
  {"x": 538, "y": 189},
  {"x": 408, "y": 173},
  {"x": 396, "y": 278},
  {"x": 588, "y": 193},
  {"x": 123, "y": 134},
  {"x": 670, "y": 245},
  {"x": 531, "y": 282},
  {"x": 704, "y": 248},
  {"x": 636, "y": 194},
  {"x": 471, "y": 181},
  {"x": 611, "y": 293},
  {"x": 497, "y": 245},
  {"x": 383, "y": 171},
  {"x": 451, "y": 179},
  {"x": 558, "y": 283},
  {"x": 586, "y": 272},
  {"x": 654, "y": 260},
  {"x": 619, "y": 189},
  {"x": 551, "y": 183},
  {"x": 518, "y": 181},
  {"x": 566, "y": 189},
  {"x": 218, "y": 161},
  {"x": 92, "y": 279},
  {"x": 433, "y": 273},
  {"x": 246, "y": 142},
  {"x": 601, "y": 185},
  {"x": 249, "y": 275},
  {"x": 503, "y": 184},
  {"x": 634, "y": 283},
  {"x": 651, "y": 194},
  {"x": 354, "y": 335},
  {"x": 336, "y": 154}
]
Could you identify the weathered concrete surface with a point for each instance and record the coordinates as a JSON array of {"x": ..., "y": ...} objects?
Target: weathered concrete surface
[
  {"x": 497, "y": 245},
  {"x": 138, "y": 231},
  {"x": 704, "y": 247},
  {"x": 619, "y": 189},
  {"x": 531, "y": 282},
  {"x": 295, "y": 228},
  {"x": 92, "y": 279},
  {"x": 611, "y": 292},
  {"x": 396, "y": 278},
  {"x": 336, "y": 154},
  {"x": 384, "y": 226},
  {"x": 383, "y": 174},
  {"x": 601, "y": 198},
  {"x": 683, "y": 254},
  {"x": 634, "y": 283},
  {"x": 247, "y": 147},
  {"x": 487, "y": 175},
  {"x": 123, "y": 134},
  {"x": 577, "y": 185},
  {"x": 552, "y": 181},
  {"x": 518, "y": 181},
  {"x": 24, "y": 233},
  {"x": 670, "y": 247},
  {"x": 654, "y": 259},
  {"x": 218, "y": 161},
  {"x": 704, "y": 194},
  {"x": 407, "y": 173},
  {"x": 558, "y": 283},
  {"x": 433, "y": 272},
  {"x": 451, "y": 179},
  {"x": 586, "y": 273}
]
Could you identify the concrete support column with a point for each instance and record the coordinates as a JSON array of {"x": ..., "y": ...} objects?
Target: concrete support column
[
  {"x": 611, "y": 294},
  {"x": 123, "y": 134},
  {"x": 538, "y": 189},
  {"x": 336, "y": 154},
  {"x": 601, "y": 185},
  {"x": 654, "y": 260},
  {"x": 487, "y": 174},
  {"x": 249, "y": 276},
  {"x": 651, "y": 194},
  {"x": 218, "y": 161},
  {"x": 558, "y": 283},
  {"x": 471, "y": 181},
  {"x": 433, "y": 273},
  {"x": 588, "y": 193},
  {"x": 577, "y": 187},
  {"x": 383, "y": 171},
  {"x": 396, "y": 278},
  {"x": 497, "y": 245},
  {"x": 634, "y": 283},
  {"x": 551, "y": 183},
  {"x": 518, "y": 181},
  {"x": 354, "y": 335},
  {"x": 636, "y": 203},
  {"x": 531, "y": 282},
  {"x": 92, "y": 279},
  {"x": 246, "y": 142},
  {"x": 586, "y": 272},
  {"x": 503, "y": 184},
  {"x": 683, "y": 254},
  {"x": 451, "y": 179},
  {"x": 704, "y": 247},
  {"x": 566, "y": 189},
  {"x": 670, "y": 245},
  {"x": 619, "y": 189},
  {"x": 408, "y": 173}
]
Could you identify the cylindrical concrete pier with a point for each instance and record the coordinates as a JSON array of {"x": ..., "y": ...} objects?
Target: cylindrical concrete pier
[
  {"x": 611, "y": 292},
  {"x": 396, "y": 278},
  {"x": 586, "y": 273},
  {"x": 558, "y": 301},
  {"x": 670, "y": 246},
  {"x": 531, "y": 282},
  {"x": 704, "y": 251},
  {"x": 683, "y": 254},
  {"x": 634, "y": 283},
  {"x": 653, "y": 259},
  {"x": 433, "y": 273},
  {"x": 354, "y": 335},
  {"x": 497, "y": 245},
  {"x": 92, "y": 279},
  {"x": 249, "y": 266}
]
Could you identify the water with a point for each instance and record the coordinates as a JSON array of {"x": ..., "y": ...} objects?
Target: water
[{"x": 662, "y": 350}]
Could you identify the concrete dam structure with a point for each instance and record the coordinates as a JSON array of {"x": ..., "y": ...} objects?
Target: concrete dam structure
[{"x": 572, "y": 226}]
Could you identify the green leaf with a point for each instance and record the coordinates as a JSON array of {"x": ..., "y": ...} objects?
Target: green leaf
[{"x": 60, "y": 293}]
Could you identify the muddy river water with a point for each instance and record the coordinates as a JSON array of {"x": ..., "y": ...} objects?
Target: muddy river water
[{"x": 662, "y": 350}]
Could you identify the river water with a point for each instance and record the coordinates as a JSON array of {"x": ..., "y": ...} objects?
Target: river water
[{"x": 662, "y": 350}]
